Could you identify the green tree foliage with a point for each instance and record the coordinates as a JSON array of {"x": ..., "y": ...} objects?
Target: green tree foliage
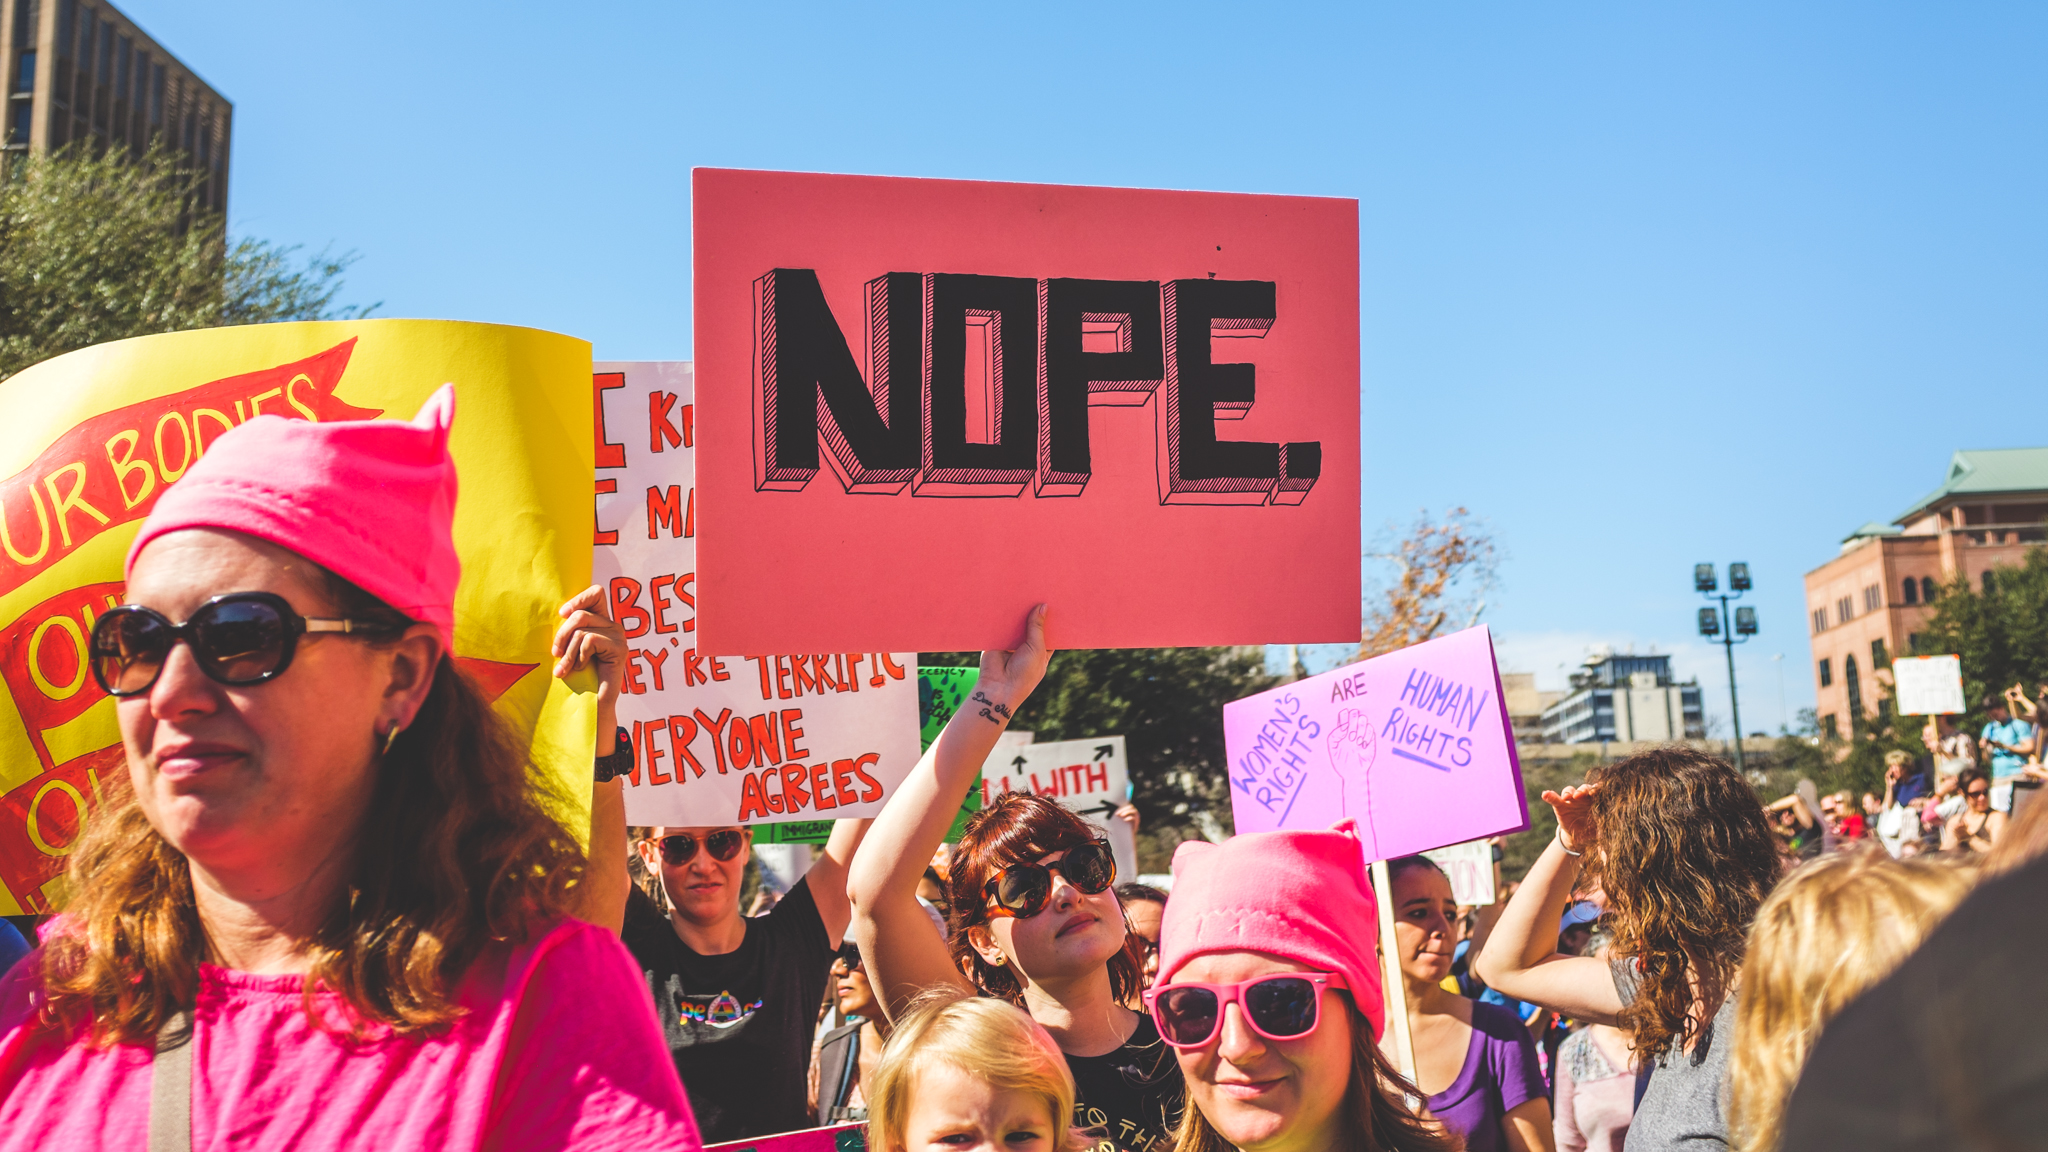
[
  {"x": 2001, "y": 634},
  {"x": 102, "y": 248},
  {"x": 1167, "y": 704}
]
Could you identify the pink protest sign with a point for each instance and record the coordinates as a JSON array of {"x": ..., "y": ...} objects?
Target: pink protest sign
[
  {"x": 1138, "y": 406},
  {"x": 1414, "y": 746},
  {"x": 840, "y": 1138}
]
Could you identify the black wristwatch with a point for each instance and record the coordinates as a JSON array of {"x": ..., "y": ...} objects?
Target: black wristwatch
[{"x": 620, "y": 762}]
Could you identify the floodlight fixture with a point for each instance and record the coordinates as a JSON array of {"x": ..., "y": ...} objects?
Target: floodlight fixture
[
  {"x": 1703, "y": 579},
  {"x": 1710, "y": 622},
  {"x": 1745, "y": 621},
  {"x": 1738, "y": 577}
]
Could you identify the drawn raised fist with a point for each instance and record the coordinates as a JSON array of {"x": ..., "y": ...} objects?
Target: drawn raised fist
[{"x": 1352, "y": 748}]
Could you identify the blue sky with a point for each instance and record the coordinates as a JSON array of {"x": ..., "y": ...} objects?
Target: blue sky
[{"x": 1642, "y": 285}]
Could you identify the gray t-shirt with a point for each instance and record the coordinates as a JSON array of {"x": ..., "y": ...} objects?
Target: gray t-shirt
[{"x": 1681, "y": 1108}]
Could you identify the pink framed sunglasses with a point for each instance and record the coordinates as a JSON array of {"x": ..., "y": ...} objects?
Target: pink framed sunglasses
[{"x": 1280, "y": 1006}]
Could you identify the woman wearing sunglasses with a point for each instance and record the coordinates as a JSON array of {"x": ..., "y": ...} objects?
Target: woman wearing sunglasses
[
  {"x": 1977, "y": 827},
  {"x": 332, "y": 911},
  {"x": 1036, "y": 921},
  {"x": 737, "y": 996},
  {"x": 1269, "y": 991}
]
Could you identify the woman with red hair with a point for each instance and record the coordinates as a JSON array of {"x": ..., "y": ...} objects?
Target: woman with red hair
[{"x": 1037, "y": 921}]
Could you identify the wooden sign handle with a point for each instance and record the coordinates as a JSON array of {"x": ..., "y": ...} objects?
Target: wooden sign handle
[{"x": 1393, "y": 989}]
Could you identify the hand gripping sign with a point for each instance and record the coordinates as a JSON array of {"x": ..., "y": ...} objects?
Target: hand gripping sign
[
  {"x": 1413, "y": 745},
  {"x": 760, "y": 739},
  {"x": 93, "y": 438},
  {"x": 1050, "y": 394}
]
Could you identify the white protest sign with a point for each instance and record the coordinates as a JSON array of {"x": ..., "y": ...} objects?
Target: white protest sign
[
  {"x": 1929, "y": 685},
  {"x": 763, "y": 739},
  {"x": 1087, "y": 776},
  {"x": 1470, "y": 867}
]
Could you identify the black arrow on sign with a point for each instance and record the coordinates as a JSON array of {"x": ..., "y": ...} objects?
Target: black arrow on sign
[
  {"x": 1104, "y": 751},
  {"x": 1105, "y": 808},
  {"x": 1019, "y": 762}
]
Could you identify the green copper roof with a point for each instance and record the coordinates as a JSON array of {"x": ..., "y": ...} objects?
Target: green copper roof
[
  {"x": 1873, "y": 529},
  {"x": 1987, "y": 472}
]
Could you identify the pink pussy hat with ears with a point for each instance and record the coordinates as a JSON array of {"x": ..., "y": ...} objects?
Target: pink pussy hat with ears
[
  {"x": 372, "y": 501},
  {"x": 1305, "y": 896}
]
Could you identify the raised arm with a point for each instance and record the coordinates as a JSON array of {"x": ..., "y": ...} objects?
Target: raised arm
[
  {"x": 827, "y": 877},
  {"x": 902, "y": 954},
  {"x": 1520, "y": 958},
  {"x": 589, "y": 639},
  {"x": 1793, "y": 801}
]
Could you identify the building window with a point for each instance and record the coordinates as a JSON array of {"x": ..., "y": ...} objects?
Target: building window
[
  {"x": 20, "y": 122},
  {"x": 1820, "y": 619},
  {"x": 1845, "y": 609},
  {"x": 1873, "y": 598},
  {"x": 1990, "y": 582},
  {"x": 1827, "y": 725},
  {"x": 25, "y": 76},
  {"x": 1827, "y": 673},
  {"x": 1912, "y": 591},
  {"x": 1879, "y": 658},
  {"x": 1854, "y": 684},
  {"x": 1927, "y": 589},
  {"x": 1913, "y": 642}
]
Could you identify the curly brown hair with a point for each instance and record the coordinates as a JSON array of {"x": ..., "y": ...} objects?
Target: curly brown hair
[
  {"x": 458, "y": 850},
  {"x": 1686, "y": 857},
  {"x": 1015, "y": 827}
]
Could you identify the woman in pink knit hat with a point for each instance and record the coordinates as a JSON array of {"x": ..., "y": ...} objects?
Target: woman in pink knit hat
[
  {"x": 331, "y": 910},
  {"x": 1269, "y": 990}
]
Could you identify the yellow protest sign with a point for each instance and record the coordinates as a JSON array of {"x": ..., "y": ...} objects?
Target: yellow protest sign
[{"x": 92, "y": 438}]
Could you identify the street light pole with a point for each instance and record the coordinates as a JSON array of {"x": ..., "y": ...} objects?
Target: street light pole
[{"x": 1730, "y": 629}]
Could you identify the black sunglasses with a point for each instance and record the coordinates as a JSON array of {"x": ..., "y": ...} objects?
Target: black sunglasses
[
  {"x": 849, "y": 955},
  {"x": 1021, "y": 890},
  {"x": 237, "y": 639},
  {"x": 682, "y": 847}
]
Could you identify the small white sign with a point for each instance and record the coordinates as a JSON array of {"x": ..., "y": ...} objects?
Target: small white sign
[
  {"x": 1929, "y": 685},
  {"x": 753, "y": 739},
  {"x": 1087, "y": 776},
  {"x": 1470, "y": 867}
]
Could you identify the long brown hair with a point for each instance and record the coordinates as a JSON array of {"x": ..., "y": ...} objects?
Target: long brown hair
[
  {"x": 1016, "y": 827},
  {"x": 458, "y": 849},
  {"x": 1686, "y": 856},
  {"x": 1375, "y": 1106}
]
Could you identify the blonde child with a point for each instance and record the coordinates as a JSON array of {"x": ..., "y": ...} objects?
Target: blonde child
[
  {"x": 1833, "y": 928},
  {"x": 962, "y": 1073}
]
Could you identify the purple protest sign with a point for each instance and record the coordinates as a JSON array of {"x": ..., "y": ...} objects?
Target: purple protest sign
[{"x": 1413, "y": 745}]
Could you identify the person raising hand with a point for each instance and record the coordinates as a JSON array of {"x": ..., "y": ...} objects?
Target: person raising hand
[
  {"x": 1036, "y": 920},
  {"x": 1680, "y": 843}
]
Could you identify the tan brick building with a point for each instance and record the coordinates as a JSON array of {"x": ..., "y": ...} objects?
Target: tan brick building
[
  {"x": 80, "y": 72},
  {"x": 1868, "y": 603}
]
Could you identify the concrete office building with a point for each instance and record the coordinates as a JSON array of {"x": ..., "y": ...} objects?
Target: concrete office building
[
  {"x": 1870, "y": 601},
  {"x": 1626, "y": 698},
  {"x": 80, "y": 73},
  {"x": 1526, "y": 704}
]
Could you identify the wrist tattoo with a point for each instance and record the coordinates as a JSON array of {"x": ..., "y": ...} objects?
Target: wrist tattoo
[{"x": 991, "y": 711}]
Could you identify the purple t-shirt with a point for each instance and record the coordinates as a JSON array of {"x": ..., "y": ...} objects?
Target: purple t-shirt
[{"x": 1500, "y": 1075}]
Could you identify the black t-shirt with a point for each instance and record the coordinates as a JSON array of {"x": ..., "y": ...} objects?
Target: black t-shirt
[
  {"x": 740, "y": 1025},
  {"x": 1132, "y": 1095}
]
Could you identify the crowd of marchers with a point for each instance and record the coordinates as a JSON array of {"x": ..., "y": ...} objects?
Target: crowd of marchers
[{"x": 336, "y": 909}]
